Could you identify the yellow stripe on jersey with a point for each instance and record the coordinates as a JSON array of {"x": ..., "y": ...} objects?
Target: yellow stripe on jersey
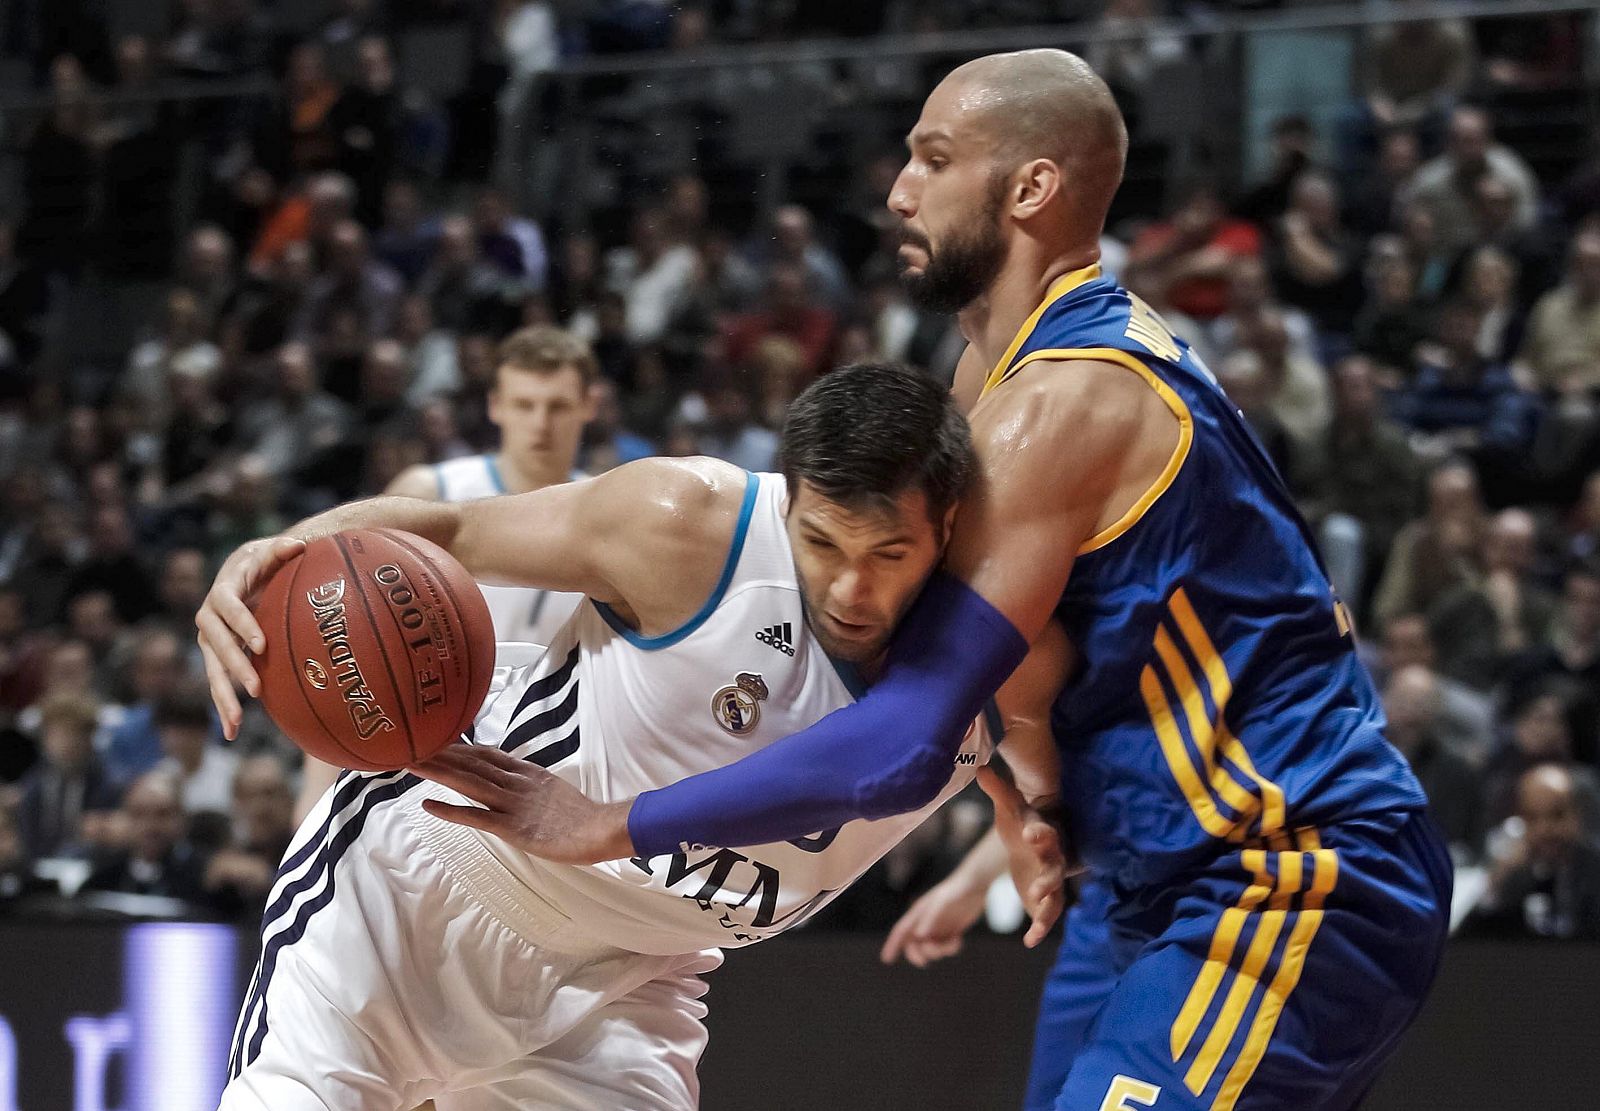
[
  {"x": 1325, "y": 872},
  {"x": 1058, "y": 289},
  {"x": 1243, "y": 802},
  {"x": 1273, "y": 811},
  {"x": 1177, "y": 757},
  {"x": 1220, "y": 956}
]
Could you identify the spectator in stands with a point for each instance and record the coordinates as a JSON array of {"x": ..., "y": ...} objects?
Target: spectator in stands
[
  {"x": 1414, "y": 70},
  {"x": 1366, "y": 476},
  {"x": 607, "y": 443},
  {"x": 1394, "y": 320},
  {"x": 354, "y": 282},
  {"x": 1583, "y": 527},
  {"x": 1567, "y": 658},
  {"x": 654, "y": 274},
  {"x": 1131, "y": 49},
  {"x": 1461, "y": 402},
  {"x": 366, "y": 121},
  {"x": 729, "y": 430},
  {"x": 1448, "y": 185},
  {"x": 1548, "y": 883},
  {"x": 198, "y": 430},
  {"x": 299, "y": 421},
  {"x": 180, "y": 589},
  {"x": 1431, "y": 253},
  {"x": 1293, "y": 141},
  {"x": 406, "y": 238},
  {"x": 1483, "y": 625},
  {"x": 1243, "y": 378},
  {"x": 153, "y": 673},
  {"x": 460, "y": 285},
  {"x": 510, "y": 243},
  {"x": 16, "y": 872},
  {"x": 1465, "y": 722},
  {"x": 239, "y": 875},
  {"x": 159, "y": 859},
  {"x": 275, "y": 300},
  {"x": 223, "y": 38},
  {"x": 24, "y": 301},
  {"x": 301, "y": 136},
  {"x": 206, "y": 272},
  {"x": 430, "y": 352},
  {"x": 58, "y": 176},
  {"x": 113, "y": 564},
  {"x": 1495, "y": 213},
  {"x": 1315, "y": 260},
  {"x": 180, "y": 348},
  {"x": 1250, "y": 293},
  {"x": 1187, "y": 258},
  {"x": 787, "y": 311},
  {"x": 22, "y": 657},
  {"x": 1561, "y": 351},
  {"x": 1489, "y": 285},
  {"x": 307, "y": 215},
  {"x": 794, "y": 242},
  {"x": 68, "y": 797},
  {"x": 193, "y": 752},
  {"x": 1372, "y": 198},
  {"x": 1538, "y": 734},
  {"x": 48, "y": 559},
  {"x": 1438, "y": 550},
  {"x": 1297, "y": 386},
  {"x": 1412, "y": 703}
]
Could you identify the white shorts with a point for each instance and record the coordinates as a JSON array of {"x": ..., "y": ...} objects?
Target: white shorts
[{"x": 400, "y": 962}]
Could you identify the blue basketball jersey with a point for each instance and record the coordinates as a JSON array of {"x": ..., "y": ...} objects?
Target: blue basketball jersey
[{"x": 1220, "y": 699}]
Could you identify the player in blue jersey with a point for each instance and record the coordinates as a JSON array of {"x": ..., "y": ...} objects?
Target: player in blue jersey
[{"x": 1266, "y": 900}]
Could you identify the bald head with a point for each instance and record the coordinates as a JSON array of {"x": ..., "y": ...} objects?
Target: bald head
[
  {"x": 1049, "y": 104},
  {"x": 1020, "y": 151}
]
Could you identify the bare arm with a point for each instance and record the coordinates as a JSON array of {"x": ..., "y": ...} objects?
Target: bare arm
[
  {"x": 648, "y": 538},
  {"x": 420, "y": 481}
]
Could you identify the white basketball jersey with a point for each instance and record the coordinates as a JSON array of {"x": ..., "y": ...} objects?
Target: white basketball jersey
[
  {"x": 521, "y": 615},
  {"x": 617, "y": 714}
]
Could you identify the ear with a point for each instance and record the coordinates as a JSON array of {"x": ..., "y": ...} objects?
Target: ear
[
  {"x": 494, "y": 405},
  {"x": 949, "y": 524},
  {"x": 1034, "y": 187}
]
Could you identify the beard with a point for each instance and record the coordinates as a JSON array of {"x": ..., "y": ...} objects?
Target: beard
[{"x": 962, "y": 269}]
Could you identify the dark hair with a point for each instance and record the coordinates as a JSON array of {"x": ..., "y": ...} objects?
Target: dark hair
[
  {"x": 867, "y": 433},
  {"x": 187, "y": 706}
]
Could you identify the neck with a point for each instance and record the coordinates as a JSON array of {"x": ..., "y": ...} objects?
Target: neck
[
  {"x": 991, "y": 322},
  {"x": 521, "y": 480}
]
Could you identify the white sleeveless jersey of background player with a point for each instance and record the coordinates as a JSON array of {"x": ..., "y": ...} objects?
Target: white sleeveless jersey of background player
[
  {"x": 521, "y": 615},
  {"x": 616, "y": 714}
]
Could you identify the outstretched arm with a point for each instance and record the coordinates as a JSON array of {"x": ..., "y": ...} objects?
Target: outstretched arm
[{"x": 648, "y": 538}]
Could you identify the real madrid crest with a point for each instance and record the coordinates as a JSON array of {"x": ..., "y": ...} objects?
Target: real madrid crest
[{"x": 737, "y": 707}]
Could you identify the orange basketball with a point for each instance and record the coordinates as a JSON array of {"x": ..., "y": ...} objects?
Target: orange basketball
[{"x": 379, "y": 649}]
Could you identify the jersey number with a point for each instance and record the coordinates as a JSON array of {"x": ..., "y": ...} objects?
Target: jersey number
[{"x": 1128, "y": 1094}]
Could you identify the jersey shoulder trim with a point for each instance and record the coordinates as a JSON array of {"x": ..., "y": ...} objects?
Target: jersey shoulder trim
[
  {"x": 493, "y": 468},
  {"x": 1058, "y": 289},
  {"x": 438, "y": 480},
  {"x": 752, "y": 486},
  {"x": 1168, "y": 395}
]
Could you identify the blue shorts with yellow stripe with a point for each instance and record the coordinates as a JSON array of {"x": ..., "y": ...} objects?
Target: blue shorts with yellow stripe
[{"x": 1280, "y": 977}]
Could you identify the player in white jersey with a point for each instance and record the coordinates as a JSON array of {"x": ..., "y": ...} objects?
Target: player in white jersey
[
  {"x": 406, "y": 957},
  {"x": 540, "y": 403}
]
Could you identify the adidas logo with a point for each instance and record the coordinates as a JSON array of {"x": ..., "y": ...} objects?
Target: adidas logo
[{"x": 778, "y": 636}]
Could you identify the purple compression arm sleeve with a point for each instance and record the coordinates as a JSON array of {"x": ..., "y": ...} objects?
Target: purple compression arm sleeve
[{"x": 887, "y": 754}]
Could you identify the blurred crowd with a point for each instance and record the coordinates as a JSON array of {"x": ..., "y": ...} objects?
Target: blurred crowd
[{"x": 1406, "y": 312}]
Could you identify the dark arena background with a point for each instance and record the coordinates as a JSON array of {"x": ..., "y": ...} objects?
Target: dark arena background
[{"x": 255, "y": 257}]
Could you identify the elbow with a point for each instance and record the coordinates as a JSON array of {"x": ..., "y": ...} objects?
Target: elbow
[{"x": 910, "y": 785}]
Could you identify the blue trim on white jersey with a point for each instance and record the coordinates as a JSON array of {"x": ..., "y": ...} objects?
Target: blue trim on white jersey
[
  {"x": 752, "y": 486},
  {"x": 438, "y": 479},
  {"x": 494, "y": 473}
]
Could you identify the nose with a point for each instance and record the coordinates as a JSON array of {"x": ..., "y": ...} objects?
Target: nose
[
  {"x": 850, "y": 590},
  {"x": 901, "y": 201}
]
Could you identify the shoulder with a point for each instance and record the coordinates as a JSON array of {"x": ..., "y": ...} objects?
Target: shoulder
[
  {"x": 1070, "y": 401},
  {"x": 696, "y": 500},
  {"x": 420, "y": 480}
]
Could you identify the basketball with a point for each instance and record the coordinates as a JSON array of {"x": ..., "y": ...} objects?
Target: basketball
[{"x": 379, "y": 649}]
